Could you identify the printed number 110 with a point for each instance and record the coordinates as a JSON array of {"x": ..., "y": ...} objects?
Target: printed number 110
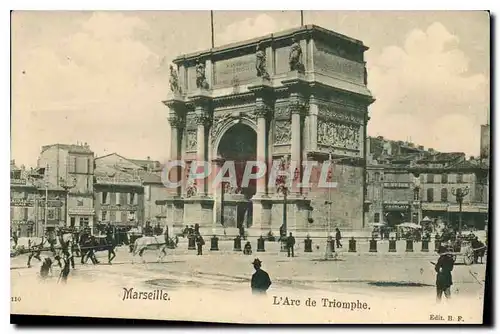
[{"x": 15, "y": 299}]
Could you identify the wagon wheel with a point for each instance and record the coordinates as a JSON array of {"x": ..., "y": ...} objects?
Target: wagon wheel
[{"x": 468, "y": 256}]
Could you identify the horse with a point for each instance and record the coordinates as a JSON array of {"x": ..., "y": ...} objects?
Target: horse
[
  {"x": 158, "y": 242},
  {"x": 91, "y": 244},
  {"x": 35, "y": 245}
]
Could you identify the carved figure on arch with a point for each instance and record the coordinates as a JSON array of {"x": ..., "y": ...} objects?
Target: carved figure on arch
[
  {"x": 230, "y": 190},
  {"x": 295, "y": 57},
  {"x": 174, "y": 81},
  {"x": 260, "y": 62},
  {"x": 201, "y": 80}
]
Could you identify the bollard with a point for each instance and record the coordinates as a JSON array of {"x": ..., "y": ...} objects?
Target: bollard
[
  {"x": 308, "y": 245},
  {"x": 352, "y": 245},
  {"x": 237, "y": 244},
  {"x": 214, "y": 243},
  {"x": 260, "y": 244},
  {"x": 392, "y": 245},
  {"x": 437, "y": 244},
  {"x": 409, "y": 245},
  {"x": 373, "y": 246},
  {"x": 425, "y": 245},
  {"x": 191, "y": 242},
  {"x": 331, "y": 243}
]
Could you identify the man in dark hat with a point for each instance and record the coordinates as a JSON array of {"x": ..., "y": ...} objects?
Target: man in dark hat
[
  {"x": 443, "y": 268},
  {"x": 260, "y": 279}
]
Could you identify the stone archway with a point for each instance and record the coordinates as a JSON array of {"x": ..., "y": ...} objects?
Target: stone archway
[{"x": 238, "y": 144}]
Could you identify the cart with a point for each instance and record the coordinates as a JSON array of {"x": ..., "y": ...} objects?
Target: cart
[{"x": 467, "y": 252}]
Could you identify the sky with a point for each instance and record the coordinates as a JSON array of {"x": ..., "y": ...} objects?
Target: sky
[{"x": 100, "y": 77}]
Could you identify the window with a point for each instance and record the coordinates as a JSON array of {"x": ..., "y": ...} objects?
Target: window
[
  {"x": 430, "y": 195},
  {"x": 376, "y": 217},
  {"x": 430, "y": 178},
  {"x": 72, "y": 221},
  {"x": 416, "y": 194},
  {"x": 104, "y": 197},
  {"x": 25, "y": 213},
  {"x": 377, "y": 176},
  {"x": 444, "y": 178},
  {"x": 460, "y": 178},
  {"x": 84, "y": 221},
  {"x": 118, "y": 198},
  {"x": 367, "y": 178},
  {"x": 444, "y": 195},
  {"x": 72, "y": 164},
  {"x": 132, "y": 197},
  {"x": 11, "y": 213},
  {"x": 123, "y": 198},
  {"x": 104, "y": 215},
  {"x": 112, "y": 216}
]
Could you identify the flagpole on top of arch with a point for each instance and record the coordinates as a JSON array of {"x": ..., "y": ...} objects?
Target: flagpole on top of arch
[
  {"x": 301, "y": 18},
  {"x": 212, "y": 27}
]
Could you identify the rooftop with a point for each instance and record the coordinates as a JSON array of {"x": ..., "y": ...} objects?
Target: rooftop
[
  {"x": 314, "y": 29},
  {"x": 72, "y": 148}
]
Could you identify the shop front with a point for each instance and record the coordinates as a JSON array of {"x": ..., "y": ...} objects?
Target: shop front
[{"x": 396, "y": 213}]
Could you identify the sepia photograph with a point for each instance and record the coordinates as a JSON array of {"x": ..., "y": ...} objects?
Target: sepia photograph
[{"x": 251, "y": 167}]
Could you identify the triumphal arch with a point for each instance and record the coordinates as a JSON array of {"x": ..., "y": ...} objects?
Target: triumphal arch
[{"x": 298, "y": 95}]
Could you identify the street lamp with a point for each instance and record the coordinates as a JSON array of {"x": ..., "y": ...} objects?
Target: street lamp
[
  {"x": 282, "y": 187},
  {"x": 66, "y": 187},
  {"x": 459, "y": 194}
]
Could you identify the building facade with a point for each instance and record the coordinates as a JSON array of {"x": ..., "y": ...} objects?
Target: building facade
[
  {"x": 440, "y": 184},
  {"x": 31, "y": 211},
  {"x": 247, "y": 101},
  {"x": 71, "y": 167}
]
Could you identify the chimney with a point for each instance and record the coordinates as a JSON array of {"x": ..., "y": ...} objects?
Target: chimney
[{"x": 421, "y": 147}]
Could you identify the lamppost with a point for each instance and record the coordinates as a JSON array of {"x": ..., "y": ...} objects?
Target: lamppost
[
  {"x": 329, "y": 240},
  {"x": 66, "y": 187},
  {"x": 459, "y": 194},
  {"x": 282, "y": 187}
]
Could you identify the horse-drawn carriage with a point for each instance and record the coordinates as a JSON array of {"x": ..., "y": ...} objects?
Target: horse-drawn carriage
[{"x": 467, "y": 249}]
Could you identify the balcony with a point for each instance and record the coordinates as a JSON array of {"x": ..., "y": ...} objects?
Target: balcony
[
  {"x": 134, "y": 182},
  {"x": 397, "y": 185},
  {"x": 18, "y": 181}
]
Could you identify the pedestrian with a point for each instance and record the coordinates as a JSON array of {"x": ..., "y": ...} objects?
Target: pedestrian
[
  {"x": 444, "y": 267},
  {"x": 46, "y": 268},
  {"x": 290, "y": 243},
  {"x": 63, "y": 276},
  {"x": 247, "y": 250},
  {"x": 199, "y": 244},
  {"x": 260, "y": 279},
  {"x": 338, "y": 237}
]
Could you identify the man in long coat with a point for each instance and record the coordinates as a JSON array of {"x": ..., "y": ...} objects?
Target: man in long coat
[
  {"x": 443, "y": 268},
  {"x": 260, "y": 279}
]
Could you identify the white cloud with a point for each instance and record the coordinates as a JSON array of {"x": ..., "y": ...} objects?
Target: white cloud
[
  {"x": 94, "y": 86},
  {"x": 260, "y": 25},
  {"x": 425, "y": 92}
]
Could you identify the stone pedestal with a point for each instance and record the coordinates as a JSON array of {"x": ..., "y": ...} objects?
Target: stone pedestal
[
  {"x": 234, "y": 208},
  {"x": 261, "y": 217},
  {"x": 175, "y": 213},
  {"x": 198, "y": 210}
]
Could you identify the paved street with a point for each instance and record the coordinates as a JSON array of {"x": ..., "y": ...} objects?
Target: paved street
[{"x": 405, "y": 277}]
